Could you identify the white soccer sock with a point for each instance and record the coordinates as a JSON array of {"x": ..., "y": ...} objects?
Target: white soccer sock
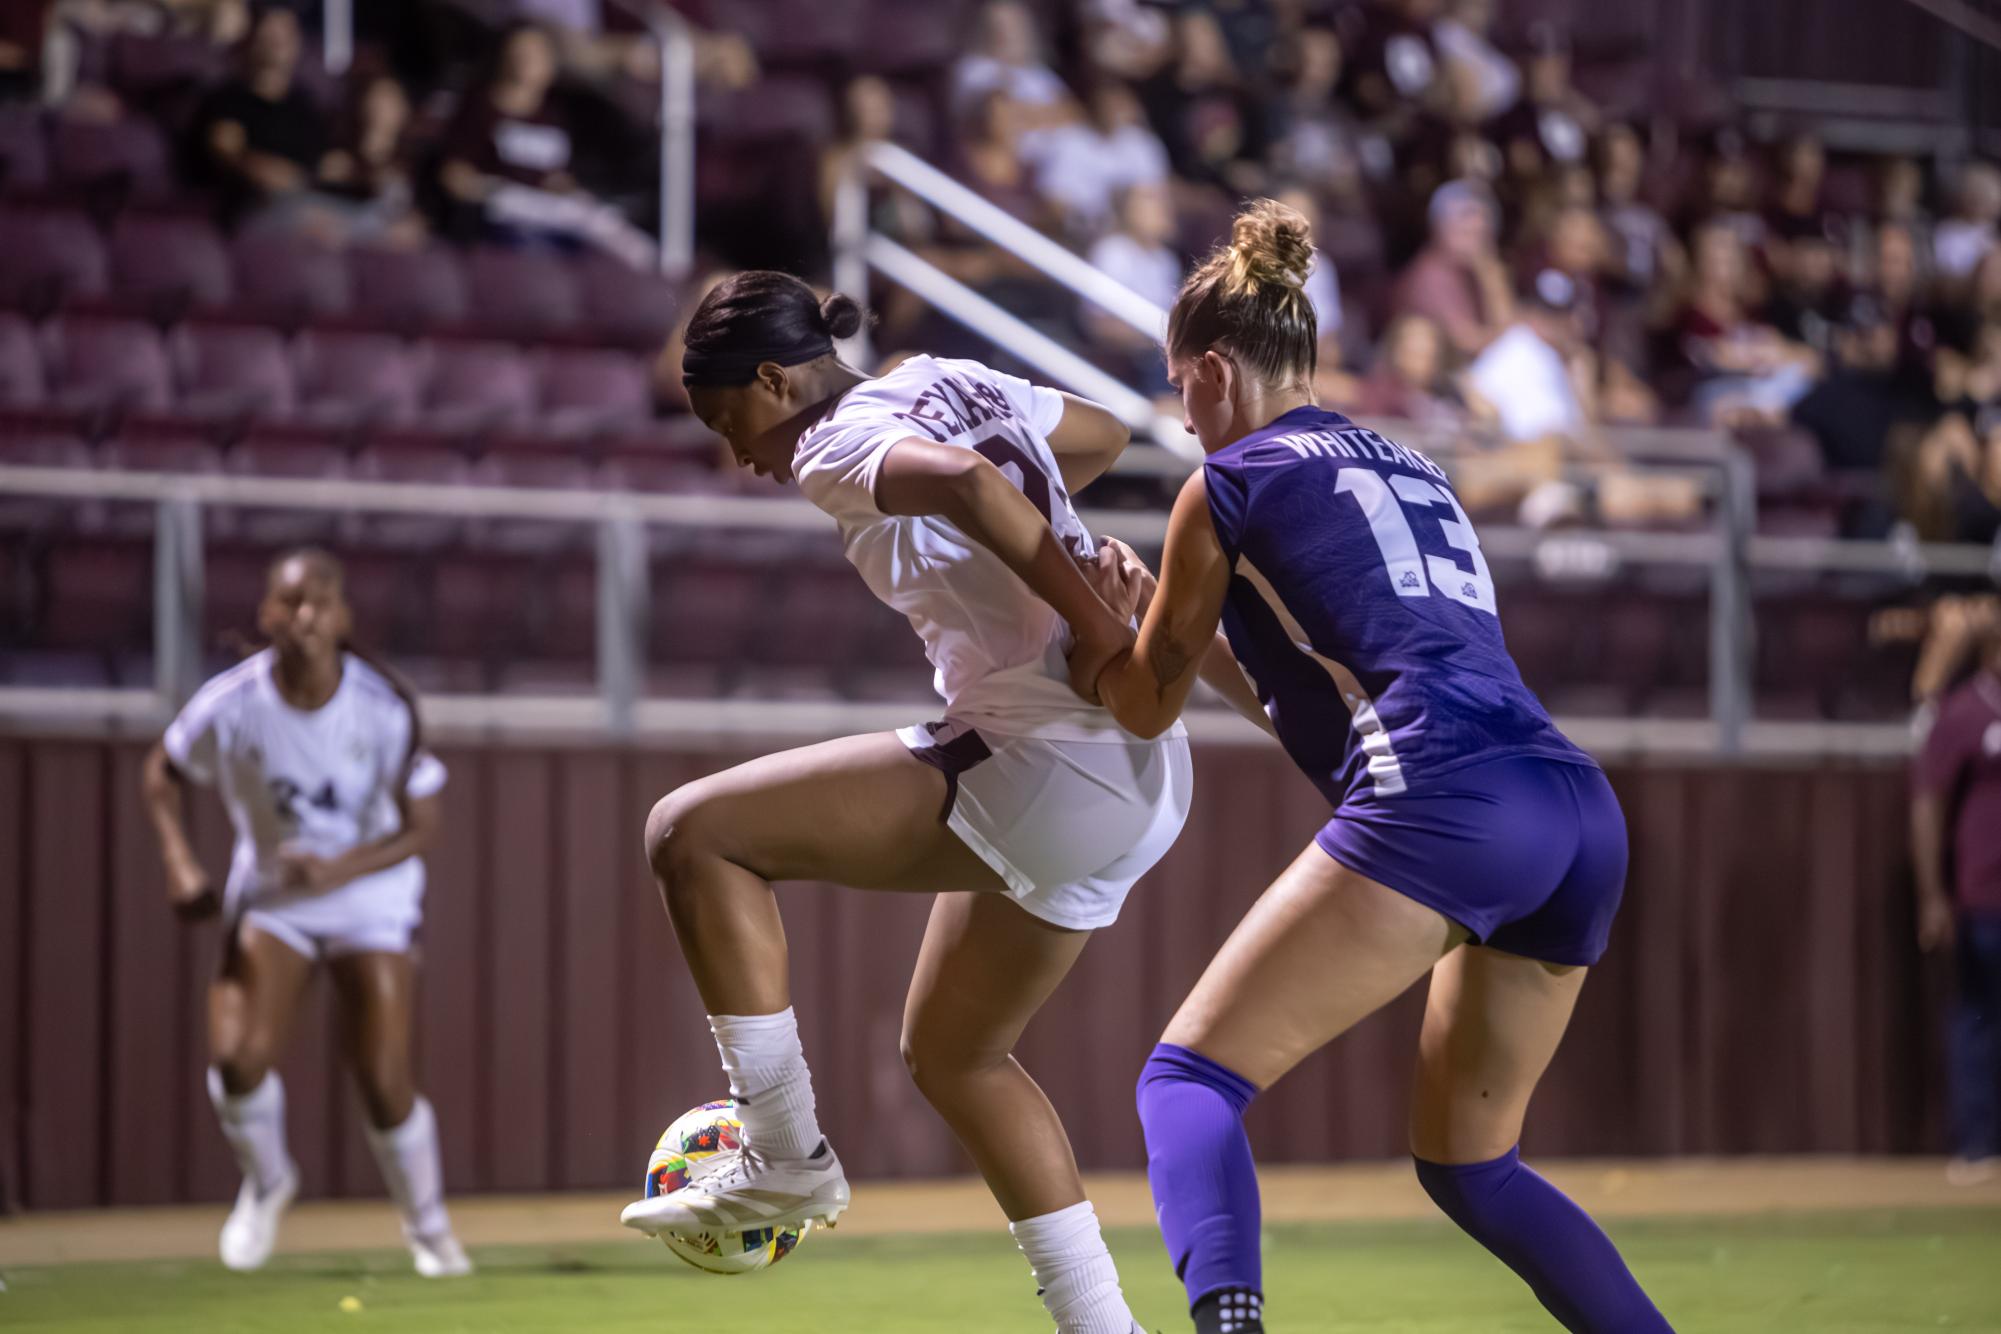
[
  {"x": 1079, "y": 1282},
  {"x": 254, "y": 1125},
  {"x": 408, "y": 1157},
  {"x": 770, "y": 1081}
]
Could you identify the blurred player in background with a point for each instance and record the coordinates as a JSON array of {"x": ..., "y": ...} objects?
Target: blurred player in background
[
  {"x": 1470, "y": 839},
  {"x": 1029, "y": 813},
  {"x": 1956, "y": 843},
  {"x": 316, "y": 752}
]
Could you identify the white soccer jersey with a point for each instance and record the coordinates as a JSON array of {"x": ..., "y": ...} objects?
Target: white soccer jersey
[
  {"x": 323, "y": 781},
  {"x": 997, "y": 648}
]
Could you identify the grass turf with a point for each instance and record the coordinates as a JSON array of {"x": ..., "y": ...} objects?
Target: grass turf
[{"x": 1828, "y": 1273}]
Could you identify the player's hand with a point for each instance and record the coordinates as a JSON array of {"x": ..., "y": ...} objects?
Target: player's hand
[
  {"x": 1936, "y": 924},
  {"x": 1122, "y": 579},
  {"x": 193, "y": 896},
  {"x": 302, "y": 872}
]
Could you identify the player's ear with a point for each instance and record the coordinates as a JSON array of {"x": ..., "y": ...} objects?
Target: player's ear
[
  {"x": 773, "y": 377},
  {"x": 1221, "y": 371}
]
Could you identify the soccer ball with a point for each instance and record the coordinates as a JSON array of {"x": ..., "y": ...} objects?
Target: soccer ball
[{"x": 693, "y": 1145}]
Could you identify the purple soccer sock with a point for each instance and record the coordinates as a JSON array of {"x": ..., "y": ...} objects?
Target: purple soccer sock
[
  {"x": 1198, "y": 1160},
  {"x": 1534, "y": 1229}
]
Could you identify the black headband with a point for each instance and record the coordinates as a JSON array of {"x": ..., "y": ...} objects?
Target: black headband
[{"x": 738, "y": 365}]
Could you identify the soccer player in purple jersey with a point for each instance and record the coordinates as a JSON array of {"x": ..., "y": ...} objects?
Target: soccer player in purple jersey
[{"x": 1469, "y": 838}]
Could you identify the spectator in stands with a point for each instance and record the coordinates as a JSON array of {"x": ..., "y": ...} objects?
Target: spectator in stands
[
  {"x": 1082, "y": 165},
  {"x": 1458, "y": 280},
  {"x": 1806, "y": 301},
  {"x": 868, "y": 115},
  {"x": 990, "y": 158},
  {"x": 1407, "y": 380},
  {"x": 260, "y": 134},
  {"x": 1553, "y": 122},
  {"x": 1646, "y": 258},
  {"x": 1965, "y": 237},
  {"x": 1006, "y": 58},
  {"x": 1530, "y": 379},
  {"x": 1393, "y": 66},
  {"x": 1316, "y": 140},
  {"x": 1208, "y": 114},
  {"x": 1955, "y": 490},
  {"x": 364, "y": 180},
  {"x": 1139, "y": 254},
  {"x": 1485, "y": 82},
  {"x": 1746, "y": 372},
  {"x": 1728, "y": 198},
  {"x": 1956, "y": 845},
  {"x": 1900, "y": 198},
  {"x": 507, "y": 159},
  {"x": 1796, "y": 201}
]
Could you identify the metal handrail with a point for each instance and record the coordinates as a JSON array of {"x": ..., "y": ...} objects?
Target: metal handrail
[{"x": 677, "y": 129}]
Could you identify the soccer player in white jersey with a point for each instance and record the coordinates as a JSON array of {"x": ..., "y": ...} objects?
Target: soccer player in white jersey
[
  {"x": 1029, "y": 812},
  {"x": 317, "y": 755}
]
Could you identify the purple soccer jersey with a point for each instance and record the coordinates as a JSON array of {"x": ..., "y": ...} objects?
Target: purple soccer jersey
[{"x": 1363, "y": 612}]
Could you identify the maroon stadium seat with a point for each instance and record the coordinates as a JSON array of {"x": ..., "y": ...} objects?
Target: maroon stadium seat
[
  {"x": 235, "y": 370},
  {"x": 357, "y": 377},
  {"x": 130, "y": 155},
  {"x": 626, "y": 306},
  {"x": 479, "y": 386},
  {"x": 809, "y": 34},
  {"x": 48, "y": 257},
  {"x": 24, "y": 150},
  {"x": 778, "y": 108},
  {"x": 108, "y": 365},
  {"x": 22, "y": 383},
  {"x": 522, "y": 293},
  {"x": 409, "y": 458},
  {"x": 163, "y": 265},
  {"x": 408, "y": 289},
  {"x": 914, "y": 36},
  {"x": 288, "y": 280},
  {"x": 586, "y": 392},
  {"x": 155, "y": 69},
  {"x": 156, "y": 451}
]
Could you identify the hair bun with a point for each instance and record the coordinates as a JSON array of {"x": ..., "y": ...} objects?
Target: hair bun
[
  {"x": 1270, "y": 244},
  {"x": 842, "y": 315}
]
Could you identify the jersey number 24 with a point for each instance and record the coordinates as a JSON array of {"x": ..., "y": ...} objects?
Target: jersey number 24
[{"x": 1389, "y": 506}]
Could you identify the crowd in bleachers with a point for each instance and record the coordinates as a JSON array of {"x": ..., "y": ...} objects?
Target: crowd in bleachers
[{"x": 439, "y": 266}]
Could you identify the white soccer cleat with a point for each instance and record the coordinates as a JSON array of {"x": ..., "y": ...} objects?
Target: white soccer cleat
[
  {"x": 1972, "y": 1171},
  {"x": 252, "y": 1227},
  {"x": 440, "y": 1256},
  {"x": 749, "y": 1192}
]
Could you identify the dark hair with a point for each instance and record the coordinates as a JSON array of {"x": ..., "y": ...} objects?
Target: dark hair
[
  {"x": 327, "y": 566},
  {"x": 1249, "y": 298},
  {"x": 762, "y": 316}
]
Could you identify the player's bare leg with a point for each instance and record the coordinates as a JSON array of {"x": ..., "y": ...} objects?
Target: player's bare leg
[
  {"x": 985, "y": 968},
  {"x": 1491, "y": 1025},
  {"x": 861, "y": 811},
  {"x": 250, "y": 1011},
  {"x": 377, "y": 993}
]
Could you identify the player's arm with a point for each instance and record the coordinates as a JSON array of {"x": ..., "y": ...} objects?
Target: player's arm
[
  {"x": 1123, "y": 580},
  {"x": 920, "y": 477},
  {"x": 164, "y": 791},
  {"x": 1146, "y": 688},
  {"x": 1928, "y": 829},
  {"x": 418, "y": 830},
  {"x": 1087, "y": 442}
]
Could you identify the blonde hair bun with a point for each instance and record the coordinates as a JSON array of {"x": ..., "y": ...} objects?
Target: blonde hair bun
[{"x": 1269, "y": 244}]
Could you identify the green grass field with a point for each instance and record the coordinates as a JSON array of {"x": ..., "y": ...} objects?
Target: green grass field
[{"x": 1828, "y": 1273}]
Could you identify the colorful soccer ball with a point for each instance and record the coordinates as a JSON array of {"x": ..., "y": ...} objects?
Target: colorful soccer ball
[{"x": 693, "y": 1145}]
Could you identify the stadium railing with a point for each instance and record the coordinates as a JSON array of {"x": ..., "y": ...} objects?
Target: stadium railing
[{"x": 625, "y": 524}]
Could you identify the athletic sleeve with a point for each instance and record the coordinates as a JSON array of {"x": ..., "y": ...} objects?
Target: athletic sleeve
[
  {"x": 1038, "y": 405},
  {"x": 1229, "y": 503},
  {"x": 837, "y": 466},
  {"x": 427, "y": 776},
  {"x": 1947, "y": 749},
  {"x": 190, "y": 741}
]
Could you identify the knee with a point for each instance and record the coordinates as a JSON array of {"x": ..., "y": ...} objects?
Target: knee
[
  {"x": 387, "y": 1093},
  {"x": 1175, "y": 1074},
  {"x": 244, "y": 1064},
  {"x": 679, "y": 835},
  {"x": 937, "y": 1064}
]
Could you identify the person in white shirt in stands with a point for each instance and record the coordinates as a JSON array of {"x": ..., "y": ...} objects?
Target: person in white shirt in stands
[
  {"x": 1028, "y": 812},
  {"x": 1081, "y": 168},
  {"x": 317, "y": 754}
]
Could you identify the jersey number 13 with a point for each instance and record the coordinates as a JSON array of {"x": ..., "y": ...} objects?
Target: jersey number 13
[{"x": 1388, "y": 506}]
